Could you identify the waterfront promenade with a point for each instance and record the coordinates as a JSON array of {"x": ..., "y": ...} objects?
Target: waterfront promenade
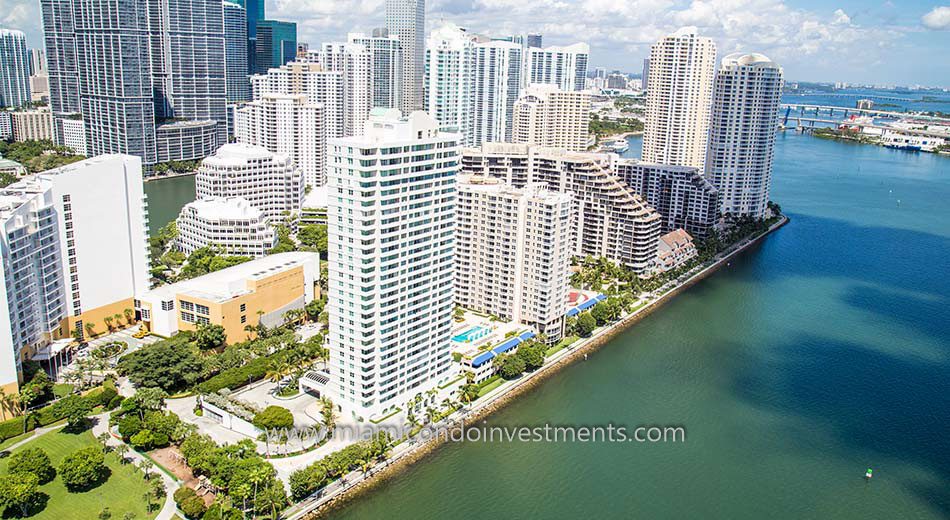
[{"x": 414, "y": 449}]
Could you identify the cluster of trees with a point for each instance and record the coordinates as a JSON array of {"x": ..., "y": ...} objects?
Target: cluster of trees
[
  {"x": 26, "y": 471},
  {"x": 239, "y": 471},
  {"x": 194, "y": 359},
  {"x": 38, "y": 156},
  {"x": 314, "y": 237},
  {"x": 73, "y": 408},
  {"x": 175, "y": 167},
  {"x": 274, "y": 418},
  {"x": 529, "y": 356},
  {"x": 206, "y": 260},
  {"x": 605, "y": 127},
  {"x": 304, "y": 482}
]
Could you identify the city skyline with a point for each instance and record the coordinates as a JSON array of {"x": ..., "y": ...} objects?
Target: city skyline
[{"x": 850, "y": 40}]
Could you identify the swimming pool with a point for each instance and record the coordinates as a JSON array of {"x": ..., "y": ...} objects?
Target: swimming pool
[{"x": 472, "y": 334}]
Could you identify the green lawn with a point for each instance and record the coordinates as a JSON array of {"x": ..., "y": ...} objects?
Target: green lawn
[
  {"x": 62, "y": 389},
  {"x": 121, "y": 492},
  {"x": 491, "y": 385},
  {"x": 560, "y": 345}
]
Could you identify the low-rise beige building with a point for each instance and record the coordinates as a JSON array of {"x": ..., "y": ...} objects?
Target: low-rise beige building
[{"x": 244, "y": 295}]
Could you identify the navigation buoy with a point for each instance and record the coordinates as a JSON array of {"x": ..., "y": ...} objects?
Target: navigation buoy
[{"x": 868, "y": 474}]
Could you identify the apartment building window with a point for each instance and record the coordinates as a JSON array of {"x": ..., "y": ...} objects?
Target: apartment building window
[
  {"x": 202, "y": 309},
  {"x": 188, "y": 306},
  {"x": 187, "y": 317}
]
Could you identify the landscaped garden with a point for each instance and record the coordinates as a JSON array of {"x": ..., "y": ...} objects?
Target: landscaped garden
[{"x": 120, "y": 487}]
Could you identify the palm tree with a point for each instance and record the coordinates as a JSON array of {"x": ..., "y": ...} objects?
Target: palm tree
[
  {"x": 329, "y": 416},
  {"x": 117, "y": 317},
  {"x": 120, "y": 451},
  {"x": 275, "y": 371},
  {"x": 129, "y": 315},
  {"x": 108, "y": 321},
  {"x": 90, "y": 328},
  {"x": 146, "y": 465}
]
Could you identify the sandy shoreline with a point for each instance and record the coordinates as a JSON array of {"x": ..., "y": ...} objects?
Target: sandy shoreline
[{"x": 404, "y": 459}]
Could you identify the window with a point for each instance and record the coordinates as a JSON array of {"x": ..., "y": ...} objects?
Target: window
[
  {"x": 168, "y": 305},
  {"x": 187, "y": 317},
  {"x": 202, "y": 320},
  {"x": 188, "y": 306},
  {"x": 243, "y": 307},
  {"x": 243, "y": 318},
  {"x": 201, "y": 309}
]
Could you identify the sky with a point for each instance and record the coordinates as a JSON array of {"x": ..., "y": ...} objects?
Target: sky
[{"x": 903, "y": 42}]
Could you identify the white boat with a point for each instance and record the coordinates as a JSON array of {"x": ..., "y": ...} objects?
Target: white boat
[{"x": 619, "y": 146}]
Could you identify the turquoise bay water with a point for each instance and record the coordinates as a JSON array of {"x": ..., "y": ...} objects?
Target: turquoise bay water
[
  {"x": 819, "y": 353},
  {"x": 166, "y": 197}
]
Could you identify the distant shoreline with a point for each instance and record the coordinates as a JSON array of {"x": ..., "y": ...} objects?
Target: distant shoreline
[{"x": 167, "y": 176}]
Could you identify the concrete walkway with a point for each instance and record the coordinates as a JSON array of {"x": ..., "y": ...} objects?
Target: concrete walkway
[
  {"x": 36, "y": 433},
  {"x": 100, "y": 425}
]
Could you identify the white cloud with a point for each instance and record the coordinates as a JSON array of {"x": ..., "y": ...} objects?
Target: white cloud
[
  {"x": 841, "y": 18},
  {"x": 938, "y": 19}
]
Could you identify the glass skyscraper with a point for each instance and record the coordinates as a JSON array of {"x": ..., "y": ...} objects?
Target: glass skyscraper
[
  {"x": 276, "y": 44},
  {"x": 235, "y": 52},
  {"x": 14, "y": 69}
]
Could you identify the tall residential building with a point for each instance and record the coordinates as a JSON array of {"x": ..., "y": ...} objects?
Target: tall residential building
[
  {"x": 391, "y": 233},
  {"x": 387, "y": 66},
  {"x": 471, "y": 85},
  {"x": 745, "y": 115},
  {"x": 61, "y": 272},
  {"x": 513, "y": 252},
  {"x": 406, "y": 21},
  {"x": 276, "y": 44},
  {"x": 269, "y": 181},
  {"x": 449, "y": 80},
  {"x": 680, "y": 194},
  {"x": 679, "y": 95},
  {"x": 59, "y": 32},
  {"x": 233, "y": 225},
  {"x": 497, "y": 84},
  {"x": 355, "y": 62},
  {"x": 235, "y": 52},
  {"x": 287, "y": 124},
  {"x": 14, "y": 69},
  {"x": 546, "y": 116},
  {"x": 37, "y": 62},
  {"x": 313, "y": 80},
  {"x": 533, "y": 40},
  {"x": 565, "y": 67},
  {"x": 612, "y": 220},
  {"x": 135, "y": 65}
]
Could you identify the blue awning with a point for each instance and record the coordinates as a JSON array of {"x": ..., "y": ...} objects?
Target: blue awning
[
  {"x": 572, "y": 312},
  {"x": 482, "y": 358},
  {"x": 506, "y": 346},
  {"x": 525, "y": 336}
]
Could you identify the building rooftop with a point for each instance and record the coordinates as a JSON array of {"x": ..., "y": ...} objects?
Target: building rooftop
[
  {"x": 221, "y": 208},
  {"x": 745, "y": 59},
  {"x": 238, "y": 154},
  {"x": 676, "y": 238},
  {"x": 223, "y": 285}
]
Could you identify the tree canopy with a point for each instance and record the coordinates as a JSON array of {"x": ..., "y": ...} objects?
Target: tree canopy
[{"x": 170, "y": 364}]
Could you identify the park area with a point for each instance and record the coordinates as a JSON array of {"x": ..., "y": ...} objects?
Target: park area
[{"x": 121, "y": 490}]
